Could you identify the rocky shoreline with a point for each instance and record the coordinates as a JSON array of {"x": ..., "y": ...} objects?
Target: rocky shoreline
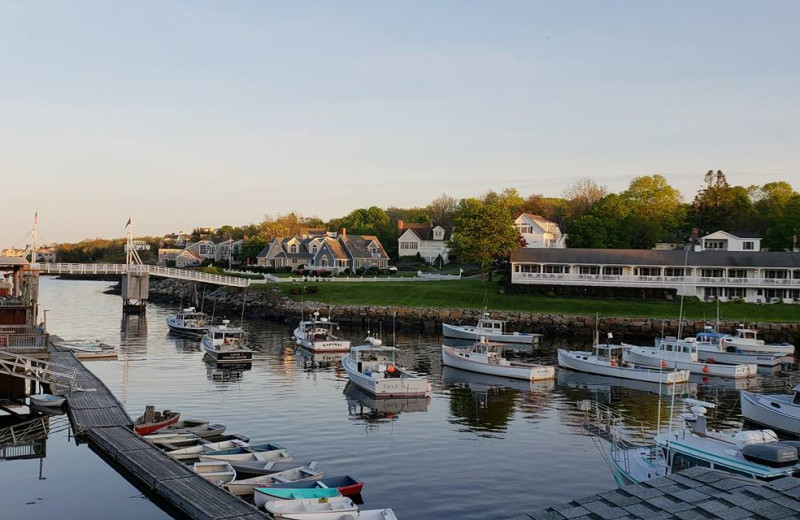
[{"x": 272, "y": 306}]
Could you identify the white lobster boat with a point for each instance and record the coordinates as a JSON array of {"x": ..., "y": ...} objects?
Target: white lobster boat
[
  {"x": 746, "y": 340},
  {"x": 711, "y": 347},
  {"x": 188, "y": 322},
  {"x": 491, "y": 329},
  {"x": 779, "y": 411},
  {"x": 487, "y": 358},
  {"x": 373, "y": 368},
  {"x": 670, "y": 353},
  {"x": 317, "y": 335},
  {"x": 225, "y": 344},
  {"x": 607, "y": 360}
]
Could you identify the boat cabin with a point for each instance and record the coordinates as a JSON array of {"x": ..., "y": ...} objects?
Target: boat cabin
[
  {"x": 609, "y": 353},
  {"x": 671, "y": 344},
  {"x": 224, "y": 335},
  {"x": 190, "y": 317},
  {"x": 491, "y": 353},
  {"x": 318, "y": 329},
  {"x": 490, "y": 325},
  {"x": 749, "y": 335},
  {"x": 374, "y": 358}
]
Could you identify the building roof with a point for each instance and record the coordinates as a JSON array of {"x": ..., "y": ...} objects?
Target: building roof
[
  {"x": 736, "y": 234},
  {"x": 425, "y": 231},
  {"x": 357, "y": 246},
  {"x": 12, "y": 260},
  {"x": 657, "y": 257},
  {"x": 336, "y": 248}
]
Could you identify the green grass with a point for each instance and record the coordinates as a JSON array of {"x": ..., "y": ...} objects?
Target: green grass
[{"x": 470, "y": 294}]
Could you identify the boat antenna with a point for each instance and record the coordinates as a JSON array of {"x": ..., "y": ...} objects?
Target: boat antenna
[
  {"x": 214, "y": 311},
  {"x": 203, "y": 299},
  {"x": 394, "y": 328},
  {"x": 241, "y": 319}
]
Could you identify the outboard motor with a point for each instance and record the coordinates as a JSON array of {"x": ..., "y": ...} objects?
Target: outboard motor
[{"x": 775, "y": 455}]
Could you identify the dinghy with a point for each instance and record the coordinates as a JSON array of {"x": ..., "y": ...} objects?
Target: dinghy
[
  {"x": 172, "y": 439},
  {"x": 152, "y": 420},
  {"x": 219, "y": 473},
  {"x": 280, "y": 508},
  {"x": 487, "y": 358},
  {"x": 346, "y": 485},
  {"x": 245, "y": 487},
  {"x": 201, "y": 429},
  {"x": 263, "y": 452},
  {"x": 194, "y": 452},
  {"x": 294, "y": 494},
  {"x": 247, "y": 469},
  {"x": 366, "y": 514},
  {"x": 47, "y": 400}
]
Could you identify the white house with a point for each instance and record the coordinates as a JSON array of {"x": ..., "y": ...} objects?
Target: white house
[
  {"x": 753, "y": 277},
  {"x": 228, "y": 250},
  {"x": 187, "y": 258},
  {"x": 205, "y": 249},
  {"x": 725, "y": 241},
  {"x": 327, "y": 251},
  {"x": 429, "y": 240},
  {"x": 138, "y": 245},
  {"x": 539, "y": 232}
]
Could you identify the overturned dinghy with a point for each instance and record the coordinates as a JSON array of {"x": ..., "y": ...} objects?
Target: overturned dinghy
[{"x": 775, "y": 455}]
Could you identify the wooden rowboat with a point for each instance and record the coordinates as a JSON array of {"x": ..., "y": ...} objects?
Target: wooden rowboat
[
  {"x": 172, "y": 439},
  {"x": 245, "y": 487},
  {"x": 219, "y": 473},
  {"x": 247, "y": 469},
  {"x": 152, "y": 420},
  {"x": 346, "y": 485},
  {"x": 47, "y": 400},
  {"x": 281, "y": 508}
]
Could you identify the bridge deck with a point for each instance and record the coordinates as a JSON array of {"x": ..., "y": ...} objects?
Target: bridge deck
[
  {"x": 140, "y": 269},
  {"x": 101, "y": 418}
]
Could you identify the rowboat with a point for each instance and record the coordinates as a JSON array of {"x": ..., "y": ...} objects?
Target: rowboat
[
  {"x": 225, "y": 344},
  {"x": 487, "y": 358},
  {"x": 364, "y": 514},
  {"x": 607, "y": 360},
  {"x": 269, "y": 451},
  {"x": 245, "y": 487},
  {"x": 194, "y": 452},
  {"x": 294, "y": 494},
  {"x": 491, "y": 329},
  {"x": 47, "y": 400},
  {"x": 780, "y": 412},
  {"x": 188, "y": 322},
  {"x": 172, "y": 439},
  {"x": 346, "y": 485},
  {"x": 670, "y": 353},
  {"x": 152, "y": 420},
  {"x": 218, "y": 473},
  {"x": 248, "y": 469},
  {"x": 317, "y": 335},
  {"x": 373, "y": 368},
  {"x": 281, "y": 508},
  {"x": 199, "y": 428}
]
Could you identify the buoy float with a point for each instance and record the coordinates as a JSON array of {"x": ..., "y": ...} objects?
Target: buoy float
[
  {"x": 613, "y": 363},
  {"x": 390, "y": 369},
  {"x": 705, "y": 369},
  {"x": 663, "y": 364}
]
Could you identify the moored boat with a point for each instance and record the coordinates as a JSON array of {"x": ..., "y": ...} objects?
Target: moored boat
[
  {"x": 317, "y": 335},
  {"x": 255, "y": 468},
  {"x": 47, "y": 400},
  {"x": 711, "y": 348},
  {"x": 364, "y": 514},
  {"x": 172, "y": 439},
  {"x": 152, "y": 420},
  {"x": 778, "y": 411},
  {"x": 294, "y": 494},
  {"x": 219, "y": 473},
  {"x": 226, "y": 344},
  {"x": 346, "y": 485},
  {"x": 373, "y": 368},
  {"x": 280, "y": 508},
  {"x": 245, "y": 487},
  {"x": 202, "y": 429},
  {"x": 263, "y": 452},
  {"x": 491, "y": 329},
  {"x": 203, "y": 449},
  {"x": 746, "y": 339},
  {"x": 487, "y": 358},
  {"x": 670, "y": 353},
  {"x": 188, "y": 322}
]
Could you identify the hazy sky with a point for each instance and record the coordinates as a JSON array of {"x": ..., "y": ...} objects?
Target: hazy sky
[{"x": 207, "y": 113}]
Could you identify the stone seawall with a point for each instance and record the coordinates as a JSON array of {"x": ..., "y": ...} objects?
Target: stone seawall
[{"x": 271, "y": 306}]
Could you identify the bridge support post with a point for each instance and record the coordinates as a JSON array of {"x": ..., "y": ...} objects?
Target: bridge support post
[{"x": 135, "y": 292}]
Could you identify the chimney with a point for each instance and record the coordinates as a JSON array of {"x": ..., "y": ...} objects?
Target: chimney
[
  {"x": 400, "y": 225},
  {"x": 344, "y": 232}
]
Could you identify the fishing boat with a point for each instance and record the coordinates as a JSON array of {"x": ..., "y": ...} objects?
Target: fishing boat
[
  {"x": 606, "y": 359},
  {"x": 778, "y": 411},
  {"x": 152, "y": 420},
  {"x": 47, "y": 400},
  {"x": 746, "y": 339},
  {"x": 487, "y": 358},
  {"x": 364, "y": 514},
  {"x": 345, "y": 485},
  {"x": 172, "y": 439},
  {"x": 188, "y": 322},
  {"x": 670, "y": 353},
  {"x": 245, "y": 487},
  {"x": 711, "y": 348},
  {"x": 226, "y": 344},
  {"x": 755, "y": 454},
  {"x": 255, "y": 468},
  {"x": 263, "y": 452},
  {"x": 219, "y": 473},
  {"x": 200, "y": 428},
  {"x": 202, "y": 449},
  {"x": 373, "y": 368},
  {"x": 261, "y": 498},
  {"x": 317, "y": 335},
  {"x": 491, "y": 329},
  {"x": 280, "y": 508}
]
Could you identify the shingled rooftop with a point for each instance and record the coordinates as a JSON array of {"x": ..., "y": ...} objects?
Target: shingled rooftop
[{"x": 696, "y": 493}]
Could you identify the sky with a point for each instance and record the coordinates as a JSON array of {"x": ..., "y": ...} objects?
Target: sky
[{"x": 184, "y": 114}]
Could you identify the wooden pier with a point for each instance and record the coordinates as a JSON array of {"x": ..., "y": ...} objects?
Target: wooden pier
[{"x": 98, "y": 417}]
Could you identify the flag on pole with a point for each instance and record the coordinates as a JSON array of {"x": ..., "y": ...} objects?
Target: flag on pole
[{"x": 129, "y": 223}]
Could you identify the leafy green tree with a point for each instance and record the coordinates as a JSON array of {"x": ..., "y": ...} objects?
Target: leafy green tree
[
  {"x": 587, "y": 231},
  {"x": 551, "y": 208},
  {"x": 509, "y": 199},
  {"x": 720, "y": 206},
  {"x": 442, "y": 209},
  {"x": 483, "y": 232},
  {"x": 582, "y": 195},
  {"x": 784, "y": 227},
  {"x": 614, "y": 217}
]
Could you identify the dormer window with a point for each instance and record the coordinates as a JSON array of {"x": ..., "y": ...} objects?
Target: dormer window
[
  {"x": 294, "y": 248},
  {"x": 314, "y": 248}
]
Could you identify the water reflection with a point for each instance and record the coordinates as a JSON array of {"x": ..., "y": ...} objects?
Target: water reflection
[
  {"x": 371, "y": 410},
  {"x": 312, "y": 360},
  {"x": 607, "y": 389},
  {"x": 225, "y": 372}
]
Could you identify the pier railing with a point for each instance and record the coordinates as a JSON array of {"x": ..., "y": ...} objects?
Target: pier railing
[
  {"x": 152, "y": 270},
  {"x": 17, "y": 365}
]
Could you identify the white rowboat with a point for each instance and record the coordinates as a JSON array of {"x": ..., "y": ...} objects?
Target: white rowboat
[
  {"x": 280, "y": 508},
  {"x": 218, "y": 473}
]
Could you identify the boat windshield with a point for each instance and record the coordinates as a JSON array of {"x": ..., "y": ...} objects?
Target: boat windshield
[
  {"x": 796, "y": 399},
  {"x": 376, "y": 355}
]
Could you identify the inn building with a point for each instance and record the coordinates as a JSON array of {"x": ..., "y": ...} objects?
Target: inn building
[{"x": 713, "y": 273}]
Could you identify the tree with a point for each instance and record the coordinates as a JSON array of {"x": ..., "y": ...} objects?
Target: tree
[
  {"x": 784, "y": 227},
  {"x": 442, "y": 209},
  {"x": 713, "y": 204},
  {"x": 509, "y": 199},
  {"x": 587, "y": 231},
  {"x": 365, "y": 221},
  {"x": 582, "y": 195},
  {"x": 482, "y": 232},
  {"x": 657, "y": 210},
  {"x": 551, "y": 208}
]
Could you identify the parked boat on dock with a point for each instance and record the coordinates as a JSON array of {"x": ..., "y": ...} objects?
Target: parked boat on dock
[
  {"x": 670, "y": 353},
  {"x": 345, "y": 485},
  {"x": 152, "y": 420},
  {"x": 487, "y": 358},
  {"x": 317, "y": 335},
  {"x": 373, "y": 368},
  {"x": 194, "y": 452},
  {"x": 778, "y": 411},
  {"x": 245, "y": 487},
  {"x": 88, "y": 350},
  {"x": 199, "y": 428},
  {"x": 188, "y": 322},
  {"x": 281, "y": 508},
  {"x": 172, "y": 439},
  {"x": 219, "y": 473},
  {"x": 262, "y": 498},
  {"x": 226, "y": 344},
  {"x": 491, "y": 329}
]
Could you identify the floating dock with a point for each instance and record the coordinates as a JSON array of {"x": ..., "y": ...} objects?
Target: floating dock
[{"x": 98, "y": 417}]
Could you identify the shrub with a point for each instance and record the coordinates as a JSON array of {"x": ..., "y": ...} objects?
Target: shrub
[
  {"x": 360, "y": 271},
  {"x": 373, "y": 270},
  {"x": 285, "y": 269}
]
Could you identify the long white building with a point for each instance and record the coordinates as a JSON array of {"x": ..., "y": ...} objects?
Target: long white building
[{"x": 755, "y": 277}]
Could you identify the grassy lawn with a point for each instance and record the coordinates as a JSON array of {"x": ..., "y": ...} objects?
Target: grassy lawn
[{"x": 470, "y": 294}]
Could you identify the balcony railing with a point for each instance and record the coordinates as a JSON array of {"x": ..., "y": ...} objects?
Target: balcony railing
[{"x": 659, "y": 281}]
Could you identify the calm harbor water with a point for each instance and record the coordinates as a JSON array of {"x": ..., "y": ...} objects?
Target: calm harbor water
[{"x": 478, "y": 448}]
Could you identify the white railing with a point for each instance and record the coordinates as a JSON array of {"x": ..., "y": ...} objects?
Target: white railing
[
  {"x": 347, "y": 279},
  {"x": 152, "y": 270},
  {"x": 653, "y": 281}
]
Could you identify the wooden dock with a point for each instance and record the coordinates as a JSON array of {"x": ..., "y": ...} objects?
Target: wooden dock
[{"x": 97, "y": 416}]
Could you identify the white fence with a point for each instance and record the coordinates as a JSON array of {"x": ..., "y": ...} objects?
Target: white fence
[
  {"x": 421, "y": 277},
  {"x": 152, "y": 270}
]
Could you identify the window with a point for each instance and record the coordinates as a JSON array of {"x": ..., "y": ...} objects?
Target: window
[
  {"x": 294, "y": 248},
  {"x": 736, "y": 292},
  {"x": 747, "y": 246},
  {"x": 324, "y": 261},
  {"x": 556, "y": 269},
  {"x": 715, "y": 244},
  {"x": 737, "y": 273},
  {"x": 409, "y": 245},
  {"x": 314, "y": 248},
  {"x": 589, "y": 269},
  {"x": 711, "y": 273},
  {"x": 775, "y": 273},
  {"x": 649, "y": 271},
  {"x": 294, "y": 260},
  {"x": 615, "y": 271},
  {"x": 673, "y": 271},
  {"x": 681, "y": 461}
]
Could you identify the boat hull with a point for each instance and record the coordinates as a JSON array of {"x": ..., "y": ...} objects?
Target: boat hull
[
  {"x": 472, "y": 333},
  {"x": 148, "y": 428},
  {"x": 451, "y": 358},
  {"x": 761, "y": 409},
  {"x": 652, "y": 357},
  {"x": 47, "y": 401},
  {"x": 581, "y": 362},
  {"x": 231, "y": 356},
  {"x": 337, "y": 345},
  {"x": 762, "y": 359},
  {"x": 189, "y": 332},
  {"x": 283, "y": 508},
  {"x": 783, "y": 349},
  {"x": 388, "y": 387}
]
